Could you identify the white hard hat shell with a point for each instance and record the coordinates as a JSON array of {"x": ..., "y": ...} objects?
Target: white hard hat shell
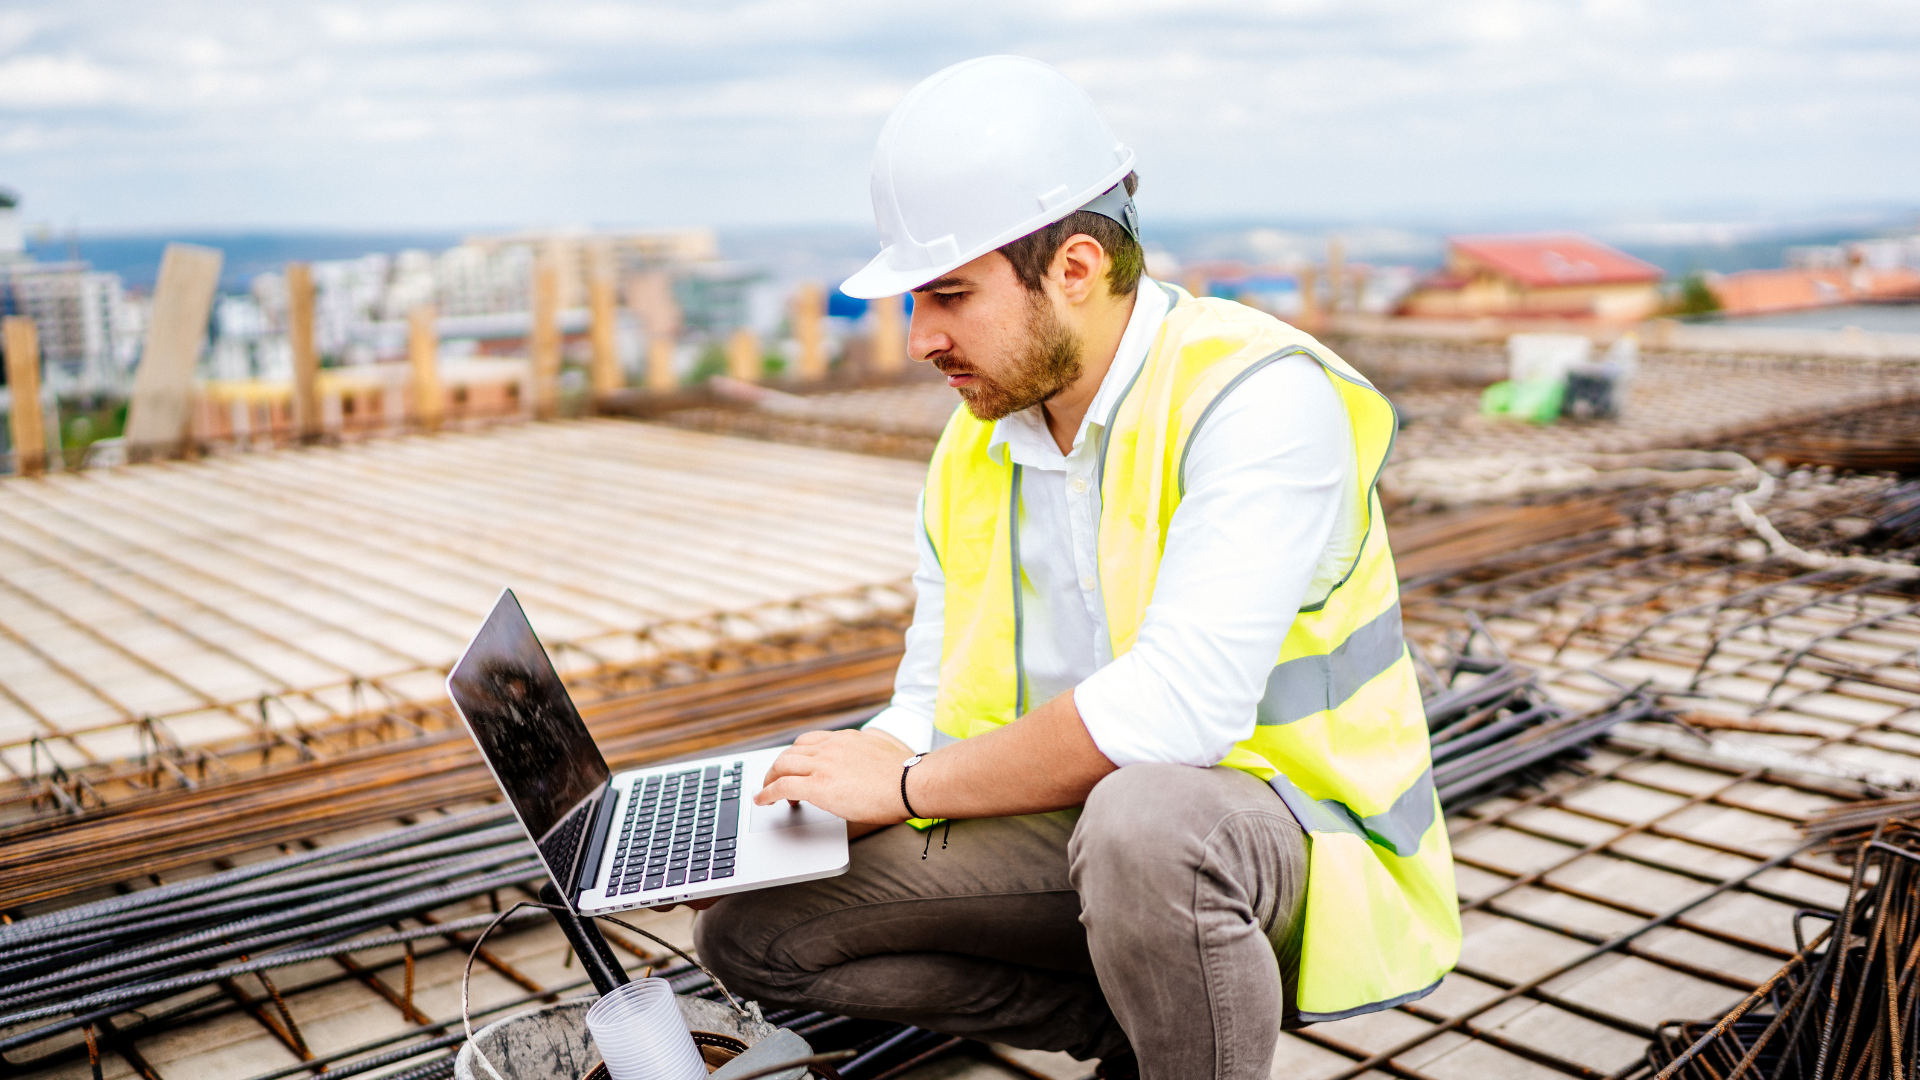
[{"x": 975, "y": 157}]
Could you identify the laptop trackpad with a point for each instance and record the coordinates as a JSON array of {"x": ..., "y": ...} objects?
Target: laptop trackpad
[{"x": 785, "y": 815}]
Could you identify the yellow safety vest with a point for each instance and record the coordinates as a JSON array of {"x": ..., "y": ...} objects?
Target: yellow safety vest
[{"x": 1341, "y": 734}]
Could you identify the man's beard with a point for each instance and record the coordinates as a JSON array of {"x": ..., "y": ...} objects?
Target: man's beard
[{"x": 1049, "y": 364}]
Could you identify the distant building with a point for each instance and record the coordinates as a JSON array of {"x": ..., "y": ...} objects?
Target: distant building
[
  {"x": 79, "y": 312},
  {"x": 1862, "y": 271},
  {"x": 1537, "y": 276},
  {"x": 1758, "y": 292}
]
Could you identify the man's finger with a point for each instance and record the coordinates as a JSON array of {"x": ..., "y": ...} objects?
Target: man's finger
[
  {"x": 787, "y": 787},
  {"x": 789, "y": 764},
  {"x": 808, "y": 738}
]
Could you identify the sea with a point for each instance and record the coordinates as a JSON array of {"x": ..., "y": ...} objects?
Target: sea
[{"x": 136, "y": 256}]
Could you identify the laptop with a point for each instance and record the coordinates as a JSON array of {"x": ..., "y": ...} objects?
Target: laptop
[{"x": 664, "y": 834}]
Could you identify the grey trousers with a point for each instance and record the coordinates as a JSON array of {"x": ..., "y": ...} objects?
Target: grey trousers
[{"x": 1159, "y": 918}]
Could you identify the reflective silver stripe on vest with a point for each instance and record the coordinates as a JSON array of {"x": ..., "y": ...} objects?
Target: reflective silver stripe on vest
[
  {"x": 941, "y": 738},
  {"x": 1307, "y": 685},
  {"x": 1398, "y": 830}
]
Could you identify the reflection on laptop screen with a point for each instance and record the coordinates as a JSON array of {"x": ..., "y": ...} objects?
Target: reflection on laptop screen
[{"x": 528, "y": 728}]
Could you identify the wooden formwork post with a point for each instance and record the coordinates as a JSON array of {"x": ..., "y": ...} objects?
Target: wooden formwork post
[
  {"x": 22, "y": 341},
  {"x": 423, "y": 352},
  {"x": 1309, "y": 316},
  {"x": 161, "y": 410},
  {"x": 543, "y": 339},
  {"x": 660, "y": 352},
  {"x": 605, "y": 372},
  {"x": 889, "y": 336},
  {"x": 809, "y": 309},
  {"x": 307, "y": 425},
  {"x": 650, "y": 296},
  {"x": 743, "y": 355}
]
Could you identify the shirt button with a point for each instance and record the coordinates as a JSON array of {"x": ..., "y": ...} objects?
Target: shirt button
[
  {"x": 1088, "y": 583},
  {"x": 1079, "y": 485}
]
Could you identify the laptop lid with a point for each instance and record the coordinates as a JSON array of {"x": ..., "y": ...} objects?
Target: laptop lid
[{"x": 531, "y": 736}]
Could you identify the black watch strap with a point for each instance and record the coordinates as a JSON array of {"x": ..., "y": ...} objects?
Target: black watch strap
[{"x": 910, "y": 763}]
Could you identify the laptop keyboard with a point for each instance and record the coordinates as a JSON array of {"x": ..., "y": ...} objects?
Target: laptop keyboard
[
  {"x": 678, "y": 829},
  {"x": 562, "y": 844}
]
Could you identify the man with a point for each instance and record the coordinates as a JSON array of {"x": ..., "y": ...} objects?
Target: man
[{"x": 1155, "y": 683}]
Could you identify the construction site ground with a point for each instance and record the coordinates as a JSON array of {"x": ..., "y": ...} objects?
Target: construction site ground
[{"x": 1657, "y": 878}]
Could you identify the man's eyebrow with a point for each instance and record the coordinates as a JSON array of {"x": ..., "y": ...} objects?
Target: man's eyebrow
[{"x": 951, "y": 281}]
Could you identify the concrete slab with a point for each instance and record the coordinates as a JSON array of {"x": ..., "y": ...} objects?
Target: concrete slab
[
  {"x": 1810, "y": 890},
  {"x": 1741, "y": 829},
  {"x": 1513, "y": 851},
  {"x": 1754, "y": 918},
  {"x": 1565, "y": 825},
  {"x": 1473, "y": 883},
  {"x": 1054, "y": 1066},
  {"x": 1677, "y": 776},
  {"x": 1372, "y": 1033},
  {"x": 1641, "y": 990},
  {"x": 1506, "y": 949},
  {"x": 1671, "y": 851},
  {"x": 1632, "y": 883},
  {"x": 1561, "y": 909},
  {"x": 1473, "y": 1060},
  {"x": 1295, "y": 1058},
  {"x": 1568, "y": 1036},
  {"x": 1624, "y": 801},
  {"x": 1779, "y": 799},
  {"x": 1701, "y": 951}
]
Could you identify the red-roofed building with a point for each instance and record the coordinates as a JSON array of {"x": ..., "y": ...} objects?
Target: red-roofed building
[
  {"x": 1757, "y": 292},
  {"x": 1537, "y": 276}
]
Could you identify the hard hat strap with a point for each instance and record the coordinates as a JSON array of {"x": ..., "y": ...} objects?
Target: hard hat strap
[{"x": 1116, "y": 204}]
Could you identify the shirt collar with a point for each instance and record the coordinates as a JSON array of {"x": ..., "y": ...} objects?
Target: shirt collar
[{"x": 1150, "y": 306}]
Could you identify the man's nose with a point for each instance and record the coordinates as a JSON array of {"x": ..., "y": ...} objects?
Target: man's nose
[{"x": 923, "y": 340}]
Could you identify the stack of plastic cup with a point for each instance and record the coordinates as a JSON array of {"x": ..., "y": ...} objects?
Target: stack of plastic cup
[{"x": 642, "y": 1036}]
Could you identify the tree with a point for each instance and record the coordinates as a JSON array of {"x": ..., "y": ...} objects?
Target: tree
[{"x": 1696, "y": 297}]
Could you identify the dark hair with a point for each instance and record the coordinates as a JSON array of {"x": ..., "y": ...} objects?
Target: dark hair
[{"x": 1034, "y": 252}]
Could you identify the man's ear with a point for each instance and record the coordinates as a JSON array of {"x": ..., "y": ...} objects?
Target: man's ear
[{"x": 1079, "y": 268}]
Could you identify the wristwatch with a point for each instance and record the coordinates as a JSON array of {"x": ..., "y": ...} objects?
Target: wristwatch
[{"x": 910, "y": 763}]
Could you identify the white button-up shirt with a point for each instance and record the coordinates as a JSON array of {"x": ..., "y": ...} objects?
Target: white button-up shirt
[{"x": 1268, "y": 475}]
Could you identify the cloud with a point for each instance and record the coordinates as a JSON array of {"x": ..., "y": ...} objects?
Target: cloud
[
  {"x": 479, "y": 112},
  {"x": 58, "y": 82}
]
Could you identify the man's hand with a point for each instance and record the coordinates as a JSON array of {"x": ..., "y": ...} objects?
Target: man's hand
[{"x": 850, "y": 774}]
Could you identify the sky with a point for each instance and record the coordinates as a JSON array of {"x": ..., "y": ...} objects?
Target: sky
[{"x": 152, "y": 114}]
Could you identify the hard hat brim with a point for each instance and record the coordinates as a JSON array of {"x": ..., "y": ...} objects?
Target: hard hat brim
[{"x": 878, "y": 278}]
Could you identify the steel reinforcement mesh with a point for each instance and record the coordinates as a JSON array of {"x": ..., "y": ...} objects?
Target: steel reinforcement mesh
[{"x": 1656, "y": 880}]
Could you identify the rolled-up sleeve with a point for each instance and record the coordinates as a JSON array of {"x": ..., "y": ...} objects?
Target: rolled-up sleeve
[
  {"x": 909, "y": 717},
  {"x": 1265, "y": 480}
]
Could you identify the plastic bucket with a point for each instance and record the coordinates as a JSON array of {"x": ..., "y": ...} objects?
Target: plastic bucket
[{"x": 552, "y": 1043}]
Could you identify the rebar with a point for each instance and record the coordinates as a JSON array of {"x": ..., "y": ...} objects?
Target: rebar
[
  {"x": 55, "y": 857},
  {"x": 1847, "y": 1005},
  {"x": 1493, "y": 728}
]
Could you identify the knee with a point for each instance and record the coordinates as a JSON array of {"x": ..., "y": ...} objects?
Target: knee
[
  {"x": 1138, "y": 816},
  {"x": 724, "y": 941}
]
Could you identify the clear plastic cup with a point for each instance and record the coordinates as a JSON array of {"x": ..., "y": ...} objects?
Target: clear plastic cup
[{"x": 642, "y": 1036}]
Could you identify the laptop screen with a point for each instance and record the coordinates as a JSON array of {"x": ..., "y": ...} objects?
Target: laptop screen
[{"x": 529, "y": 731}]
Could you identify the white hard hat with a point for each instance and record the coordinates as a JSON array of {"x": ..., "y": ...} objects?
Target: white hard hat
[{"x": 977, "y": 156}]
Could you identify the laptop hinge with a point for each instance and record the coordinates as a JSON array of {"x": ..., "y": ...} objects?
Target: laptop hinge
[{"x": 587, "y": 873}]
